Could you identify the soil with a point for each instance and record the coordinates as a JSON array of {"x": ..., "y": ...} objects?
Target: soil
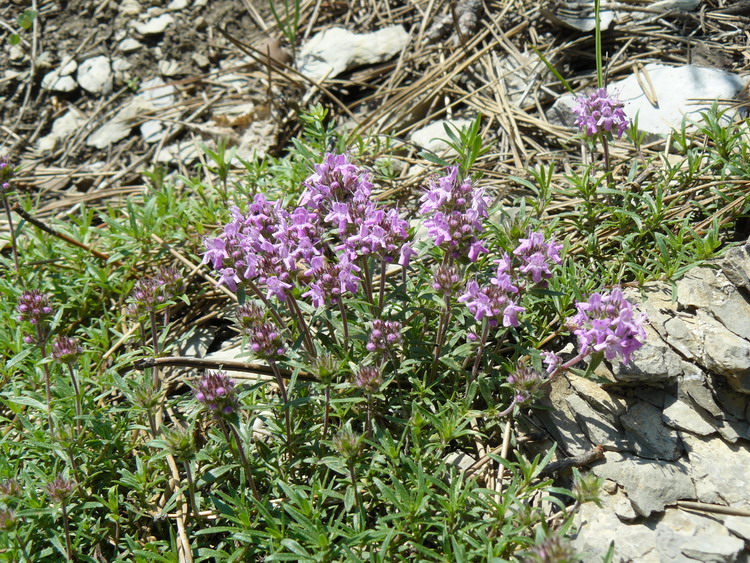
[{"x": 221, "y": 92}]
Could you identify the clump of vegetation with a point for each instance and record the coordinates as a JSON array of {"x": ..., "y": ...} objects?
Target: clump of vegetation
[{"x": 381, "y": 340}]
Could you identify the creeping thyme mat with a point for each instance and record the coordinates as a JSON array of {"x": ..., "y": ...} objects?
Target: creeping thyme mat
[{"x": 382, "y": 347}]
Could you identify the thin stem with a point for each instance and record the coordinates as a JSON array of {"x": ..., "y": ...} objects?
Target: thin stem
[
  {"x": 266, "y": 302},
  {"x": 327, "y": 412},
  {"x": 345, "y": 323},
  {"x": 285, "y": 398},
  {"x": 155, "y": 338},
  {"x": 598, "y": 44},
  {"x": 368, "y": 432},
  {"x": 357, "y": 499},
  {"x": 367, "y": 283},
  {"x": 381, "y": 292},
  {"x": 605, "y": 151},
  {"x": 42, "y": 343},
  {"x": 77, "y": 392},
  {"x": 243, "y": 460},
  {"x": 66, "y": 524},
  {"x": 306, "y": 336},
  {"x": 445, "y": 318},
  {"x": 480, "y": 352},
  {"x": 191, "y": 488},
  {"x": 12, "y": 234}
]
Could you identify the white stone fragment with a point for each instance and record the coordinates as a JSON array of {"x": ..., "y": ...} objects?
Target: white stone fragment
[
  {"x": 53, "y": 81},
  {"x": 95, "y": 75},
  {"x": 335, "y": 50},
  {"x": 61, "y": 128},
  {"x": 155, "y": 25},
  {"x": 434, "y": 138},
  {"x": 129, "y": 45}
]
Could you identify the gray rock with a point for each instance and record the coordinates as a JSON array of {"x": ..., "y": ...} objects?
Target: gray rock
[
  {"x": 460, "y": 459},
  {"x": 434, "y": 138},
  {"x": 95, "y": 75},
  {"x": 157, "y": 93},
  {"x": 739, "y": 526},
  {"x": 169, "y": 67},
  {"x": 711, "y": 290},
  {"x": 717, "y": 349},
  {"x": 736, "y": 266},
  {"x": 678, "y": 529},
  {"x": 156, "y": 25},
  {"x": 129, "y": 7},
  {"x": 650, "y": 436},
  {"x": 719, "y": 470},
  {"x": 598, "y": 527},
  {"x": 606, "y": 404},
  {"x": 713, "y": 549},
  {"x": 130, "y": 45},
  {"x": 683, "y": 416},
  {"x": 560, "y": 421},
  {"x": 654, "y": 362},
  {"x": 176, "y": 5},
  {"x": 650, "y": 485},
  {"x": 582, "y": 19},
  {"x": 624, "y": 509},
  {"x": 732, "y": 430},
  {"x": 598, "y": 430},
  {"x": 335, "y": 50},
  {"x": 700, "y": 394}
]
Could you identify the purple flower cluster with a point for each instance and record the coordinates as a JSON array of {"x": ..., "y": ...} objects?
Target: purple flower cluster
[
  {"x": 384, "y": 335},
  {"x": 6, "y": 173},
  {"x": 607, "y": 323},
  {"x": 264, "y": 337},
  {"x": 368, "y": 379},
  {"x": 65, "y": 349},
  {"x": 525, "y": 382},
  {"x": 538, "y": 256},
  {"x": 455, "y": 210},
  {"x": 217, "y": 392},
  {"x": 600, "y": 113},
  {"x": 317, "y": 244},
  {"x": 498, "y": 301},
  {"x": 447, "y": 280},
  {"x": 34, "y": 307},
  {"x": 151, "y": 292}
]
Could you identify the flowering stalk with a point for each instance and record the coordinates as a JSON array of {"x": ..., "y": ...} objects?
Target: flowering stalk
[
  {"x": 243, "y": 460},
  {"x": 6, "y": 173},
  {"x": 66, "y": 350},
  {"x": 60, "y": 490},
  {"x": 285, "y": 399}
]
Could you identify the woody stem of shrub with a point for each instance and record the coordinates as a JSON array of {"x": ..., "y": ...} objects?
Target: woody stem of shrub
[
  {"x": 77, "y": 392},
  {"x": 12, "y": 234},
  {"x": 285, "y": 398}
]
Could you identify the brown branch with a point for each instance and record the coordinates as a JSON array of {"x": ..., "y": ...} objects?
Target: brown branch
[
  {"x": 62, "y": 236},
  {"x": 586, "y": 458},
  {"x": 206, "y": 363}
]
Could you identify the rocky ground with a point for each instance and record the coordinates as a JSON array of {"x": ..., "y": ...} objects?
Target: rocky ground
[{"x": 97, "y": 92}]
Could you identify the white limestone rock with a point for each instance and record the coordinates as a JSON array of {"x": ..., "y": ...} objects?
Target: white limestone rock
[
  {"x": 336, "y": 50},
  {"x": 95, "y": 75}
]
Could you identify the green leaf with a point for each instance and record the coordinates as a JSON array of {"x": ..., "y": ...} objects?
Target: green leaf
[{"x": 14, "y": 39}]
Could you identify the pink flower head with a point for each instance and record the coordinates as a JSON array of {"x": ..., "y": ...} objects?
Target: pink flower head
[
  {"x": 217, "y": 392},
  {"x": 34, "y": 307},
  {"x": 607, "y": 323},
  {"x": 600, "y": 113}
]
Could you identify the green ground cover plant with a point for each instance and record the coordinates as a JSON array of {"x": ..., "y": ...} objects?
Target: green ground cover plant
[{"x": 381, "y": 338}]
